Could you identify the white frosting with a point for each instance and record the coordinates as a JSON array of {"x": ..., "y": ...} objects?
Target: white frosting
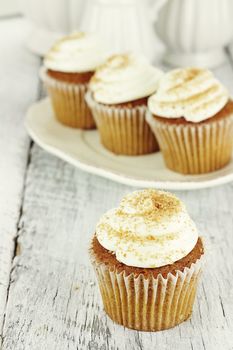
[
  {"x": 149, "y": 229},
  {"x": 78, "y": 52},
  {"x": 124, "y": 78},
  {"x": 192, "y": 93}
]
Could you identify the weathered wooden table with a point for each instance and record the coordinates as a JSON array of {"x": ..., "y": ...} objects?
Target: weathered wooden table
[{"x": 48, "y": 211}]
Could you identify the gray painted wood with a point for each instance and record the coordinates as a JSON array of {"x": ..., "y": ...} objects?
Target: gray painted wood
[
  {"x": 18, "y": 88},
  {"x": 53, "y": 300}
]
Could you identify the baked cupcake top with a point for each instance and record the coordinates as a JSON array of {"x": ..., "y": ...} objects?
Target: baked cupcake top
[
  {"x": 149, "y": 229},
  {"x": 76, "y": 53},
  {"x": 192, "y": 93},
  {"x": 124, "y": 78}
]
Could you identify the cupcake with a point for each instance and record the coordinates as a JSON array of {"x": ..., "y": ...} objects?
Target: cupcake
[
  {"x": 191, "y": 115},
  {"x": 118, "y": 97},
  {"x": 68, "y": 67},
  {"x": 147, "y": 256}
]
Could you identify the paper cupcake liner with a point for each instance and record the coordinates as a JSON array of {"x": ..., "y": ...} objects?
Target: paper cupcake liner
[
  {"x": 123, "y": 130},
  {"x": 68, "y": 101},
  {"x": 148, "y": 304},
  {"x": 194, "y": 149}
]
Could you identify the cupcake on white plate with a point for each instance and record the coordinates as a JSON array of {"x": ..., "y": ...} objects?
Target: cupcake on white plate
[
  {"x": 118, "y": 93},
  {"x": 191, "y": 114},
  {"x": 67, "y": 69}
]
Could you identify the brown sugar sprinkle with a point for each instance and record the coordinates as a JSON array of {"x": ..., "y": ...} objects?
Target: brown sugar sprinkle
[
  {"x": 112, "y": 63},
  {"x": 224, "y": 113},
  {"x": 118, "y": 61},
  {"x": 189, "y": 73},
  {"x": 184, "y": 76},
  {"x": 128, "y": 236},
  {"x": 73, "y": 36},
  {"x": 154, "y": 204}
]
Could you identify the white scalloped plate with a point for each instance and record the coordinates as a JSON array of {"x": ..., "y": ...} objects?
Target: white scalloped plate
[{"x": 83, "y": 150}]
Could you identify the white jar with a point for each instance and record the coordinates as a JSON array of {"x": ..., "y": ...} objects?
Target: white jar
[
  {"x": 51, "y": 19},
  {"x": 195, "y": 31},
  {"x": 125, "y": 25}
]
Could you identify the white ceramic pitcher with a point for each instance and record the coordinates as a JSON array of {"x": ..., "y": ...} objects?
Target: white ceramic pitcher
[
  {"x": 195, "y": 31},
  {"x": 126, "y": 25}
]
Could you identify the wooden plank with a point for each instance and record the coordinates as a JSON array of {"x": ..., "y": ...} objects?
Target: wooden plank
[
  {"x": 18, "y": 88},
  {"x": 54, "y": 302}
]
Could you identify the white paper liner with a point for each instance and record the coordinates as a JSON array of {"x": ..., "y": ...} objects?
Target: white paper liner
[
  {"x": 123, "y": 130},
  {"x": 194, "y": 149},
  {"x": 68, "y": 100},
  {"x": 150, "y": 304}
]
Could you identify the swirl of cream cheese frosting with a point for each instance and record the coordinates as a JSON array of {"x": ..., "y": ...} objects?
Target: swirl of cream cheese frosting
[
  {"x": 76, "y": 53},
  {"x": 124, "y": 78},
  {"x": 192, "y": 93},
  {"x": 149, "y": 229}
]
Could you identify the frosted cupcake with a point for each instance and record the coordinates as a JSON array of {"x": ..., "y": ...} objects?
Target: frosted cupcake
[
  {"x": 68, "y": 67},
  {"x": 147, "y": 256},
  {"x": 118, "y": 97},
  {"x": 192, "y": 117}
]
